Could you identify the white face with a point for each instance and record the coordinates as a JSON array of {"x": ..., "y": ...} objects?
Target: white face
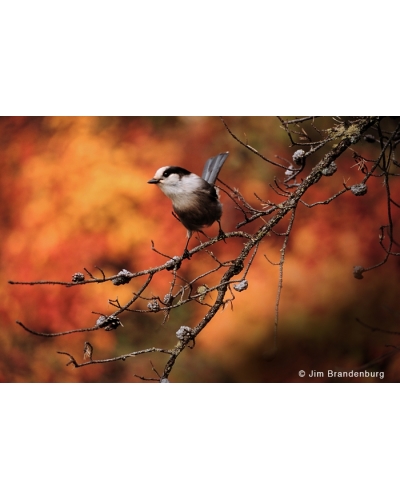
[{"x": 176, "y": 185}]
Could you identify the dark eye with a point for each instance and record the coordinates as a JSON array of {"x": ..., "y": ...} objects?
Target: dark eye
[{"x": 166, "y": 173}]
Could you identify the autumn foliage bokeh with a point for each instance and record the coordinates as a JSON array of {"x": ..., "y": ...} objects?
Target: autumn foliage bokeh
[{"x": 74, "y": 195}]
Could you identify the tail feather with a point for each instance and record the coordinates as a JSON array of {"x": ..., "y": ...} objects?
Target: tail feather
[{"x": 213, "y": 166}]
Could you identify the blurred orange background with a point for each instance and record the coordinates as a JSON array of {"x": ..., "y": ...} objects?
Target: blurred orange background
[{"x": 74, "y": 195}]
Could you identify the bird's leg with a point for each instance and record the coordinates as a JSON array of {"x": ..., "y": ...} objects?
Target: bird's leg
[
  {"x": 221, "y": 234},
  {"x": 185, "y": 252}
]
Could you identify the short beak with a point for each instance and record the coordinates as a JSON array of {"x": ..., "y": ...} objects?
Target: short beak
[{"x": 153, "y": 181}]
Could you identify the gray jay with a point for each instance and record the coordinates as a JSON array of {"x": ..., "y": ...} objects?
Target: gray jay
[{"x": 195, "y": 199}]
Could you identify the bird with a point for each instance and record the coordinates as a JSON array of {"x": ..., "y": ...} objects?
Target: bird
[{"x": 195, "y": 199}]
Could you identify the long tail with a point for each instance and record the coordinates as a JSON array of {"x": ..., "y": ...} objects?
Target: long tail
[{"x": 213, "y": 166}]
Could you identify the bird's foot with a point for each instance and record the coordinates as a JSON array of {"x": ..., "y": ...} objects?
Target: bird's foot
[
  {"x": 186, "y": 254},
  {"x": 221, "y": 235}
]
